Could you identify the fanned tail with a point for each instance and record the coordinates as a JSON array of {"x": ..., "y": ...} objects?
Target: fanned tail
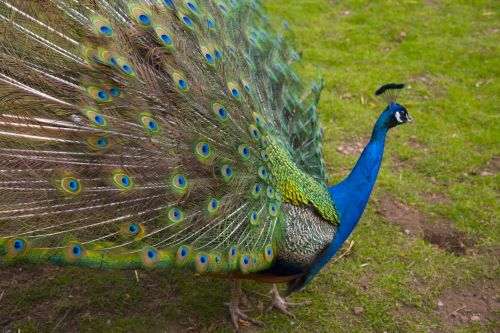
[{"x": 134, "y": 134}]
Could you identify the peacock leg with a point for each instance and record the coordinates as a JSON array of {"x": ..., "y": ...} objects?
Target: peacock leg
[
  {"x": 281, "y": 304},
  {"x": 236, "y": 313}
]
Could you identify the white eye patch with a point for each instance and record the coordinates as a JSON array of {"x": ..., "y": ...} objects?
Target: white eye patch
[{"x": 398, "y": 117}]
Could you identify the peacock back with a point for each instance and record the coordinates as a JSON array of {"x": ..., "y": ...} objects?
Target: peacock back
[{"x": 153, "y": 134}]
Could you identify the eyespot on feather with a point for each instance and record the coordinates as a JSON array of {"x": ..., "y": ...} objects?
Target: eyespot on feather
[
  {"x": 210, "y": 23},
  {"x": 256, "y": 190},
  {"x": 220, "y": 111},
  {"x": 262, "y": 172},
  {"x": 254, "y": 132},
  {"x": 164, "y": 37},
  {"x": 273, "y": 209},
  {"x": 232, "y": 253},
  {"x": 102, "y": 26},
  {"x": 246, "y": 85},
  {"x": 193, "y": 6},
  {"x": 98, "y": 142},
  {"x": 71, "y": 185},
  {"x": 115, "y": 92},
  {"x": 141, "y": 15},
  {"x": 122, "y": 181},
  {"x": 96, "y": 119},
  {"x": 150, "y": 257},
  {"x": 124, "y": 66},
  {"x": 16, "y": 247},
  {"x": 222, "y": 8},
  {"x": 213, "y": 206},
  {"x": 252, "y": 39},
  {"x": 175, "y": 215},
  {"x": 258, "y": 119},
  {"x": 202, "y": 150},
  {"x": 98, "y": 94},
  {"x": 202, "y": 261},
  {"x": 186, "y": 20},
  {"x": 269, "y": 253},
  {"x": 169, "y": 4},
  {"x": 256, "y": 263},
  {"x": 218, "y": 54},
  {"x": 132, "y": 230},
  {"x": 216, "y": 263},
  {"x": 244, "y": 151},
  {"x": 226, "y": 172},
  {"x": 180, "y": 82},
  {"x": 270, "y": 192},
  {"x": 149, "y": 123},
  {"x": 73, "y": 252},
  {"x": 246, "y": 263},
  {"x": 234, "y": 89},
  {"x": 180, "y": 183},
  {"x": 208, "y": 56},
  {"x": 254, "y": 218},
  {"x": 183, "y": 255}
]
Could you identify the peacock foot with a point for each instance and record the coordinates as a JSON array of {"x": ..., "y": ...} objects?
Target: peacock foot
[
  {"x": 235, "y": 312},
  {"x": 281, "y": 304}
]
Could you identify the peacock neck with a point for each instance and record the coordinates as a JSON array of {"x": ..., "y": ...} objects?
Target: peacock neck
[{"x": 352, "y": 194}]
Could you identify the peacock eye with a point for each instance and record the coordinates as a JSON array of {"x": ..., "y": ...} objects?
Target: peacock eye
[{"x": 398, "y": 117}]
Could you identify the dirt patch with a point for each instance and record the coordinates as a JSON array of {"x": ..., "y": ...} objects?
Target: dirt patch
[
  {"x": 365, "y": 282},
  {"x": 491, "y": 168},
  {"x": 432, "y": 3},
  {"x": 414, "y": 143},
  {"x": 435, "y": 198},
  {"x": 439, "y": 232},
  {"x": 352, "y": 148},
  {"x": 400, "y": 165},
  {"x": 425, "y": 83},
  {"x": 477, "y": 303},
  {"x": 491, "y": 31}
]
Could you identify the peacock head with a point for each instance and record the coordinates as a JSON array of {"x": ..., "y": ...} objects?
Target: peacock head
[{"x": 395, "y": 114}]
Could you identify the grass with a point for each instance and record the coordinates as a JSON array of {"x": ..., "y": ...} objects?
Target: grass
[{"x": 448, "y": 54}]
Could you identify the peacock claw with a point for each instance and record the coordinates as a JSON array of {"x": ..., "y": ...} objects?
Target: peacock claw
[
  {"x": 235, "y": 312},
  {"x": 281, "y": 304},
  {"x": 238, "y": 315}
]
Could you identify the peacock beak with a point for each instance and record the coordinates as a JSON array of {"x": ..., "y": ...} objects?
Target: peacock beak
[{"x": 409, "y": 119}]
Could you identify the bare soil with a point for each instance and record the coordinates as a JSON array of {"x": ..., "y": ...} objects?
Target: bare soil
[
  {"x": 477, "y": 303},
  {"x": 437, "y": 231},
  {"x": 436, "y": 198},
  {"x": 353, "y": 148},
  {"x": 491, "y": 168}
]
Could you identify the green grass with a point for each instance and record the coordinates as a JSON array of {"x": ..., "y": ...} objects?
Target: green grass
[{"x": 448, "y": 52}]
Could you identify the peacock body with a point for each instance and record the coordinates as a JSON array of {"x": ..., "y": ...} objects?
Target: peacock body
[{"x": 160, "y": 133}]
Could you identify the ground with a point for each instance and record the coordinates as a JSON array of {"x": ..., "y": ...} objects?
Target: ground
[{"x": 425, "y": 255}]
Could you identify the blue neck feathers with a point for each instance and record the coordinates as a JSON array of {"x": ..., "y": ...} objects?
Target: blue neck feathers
[{"x": 352, "y": 194}]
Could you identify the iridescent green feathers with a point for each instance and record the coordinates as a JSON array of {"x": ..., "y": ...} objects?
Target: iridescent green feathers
[{"x": 135, "y": 134}]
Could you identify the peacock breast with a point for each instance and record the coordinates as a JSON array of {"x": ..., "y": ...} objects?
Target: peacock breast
[{"x": 305, "y": 234}]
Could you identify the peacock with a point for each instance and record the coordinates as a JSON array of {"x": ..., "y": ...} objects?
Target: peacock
[{"x": 170, "y": 133}]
